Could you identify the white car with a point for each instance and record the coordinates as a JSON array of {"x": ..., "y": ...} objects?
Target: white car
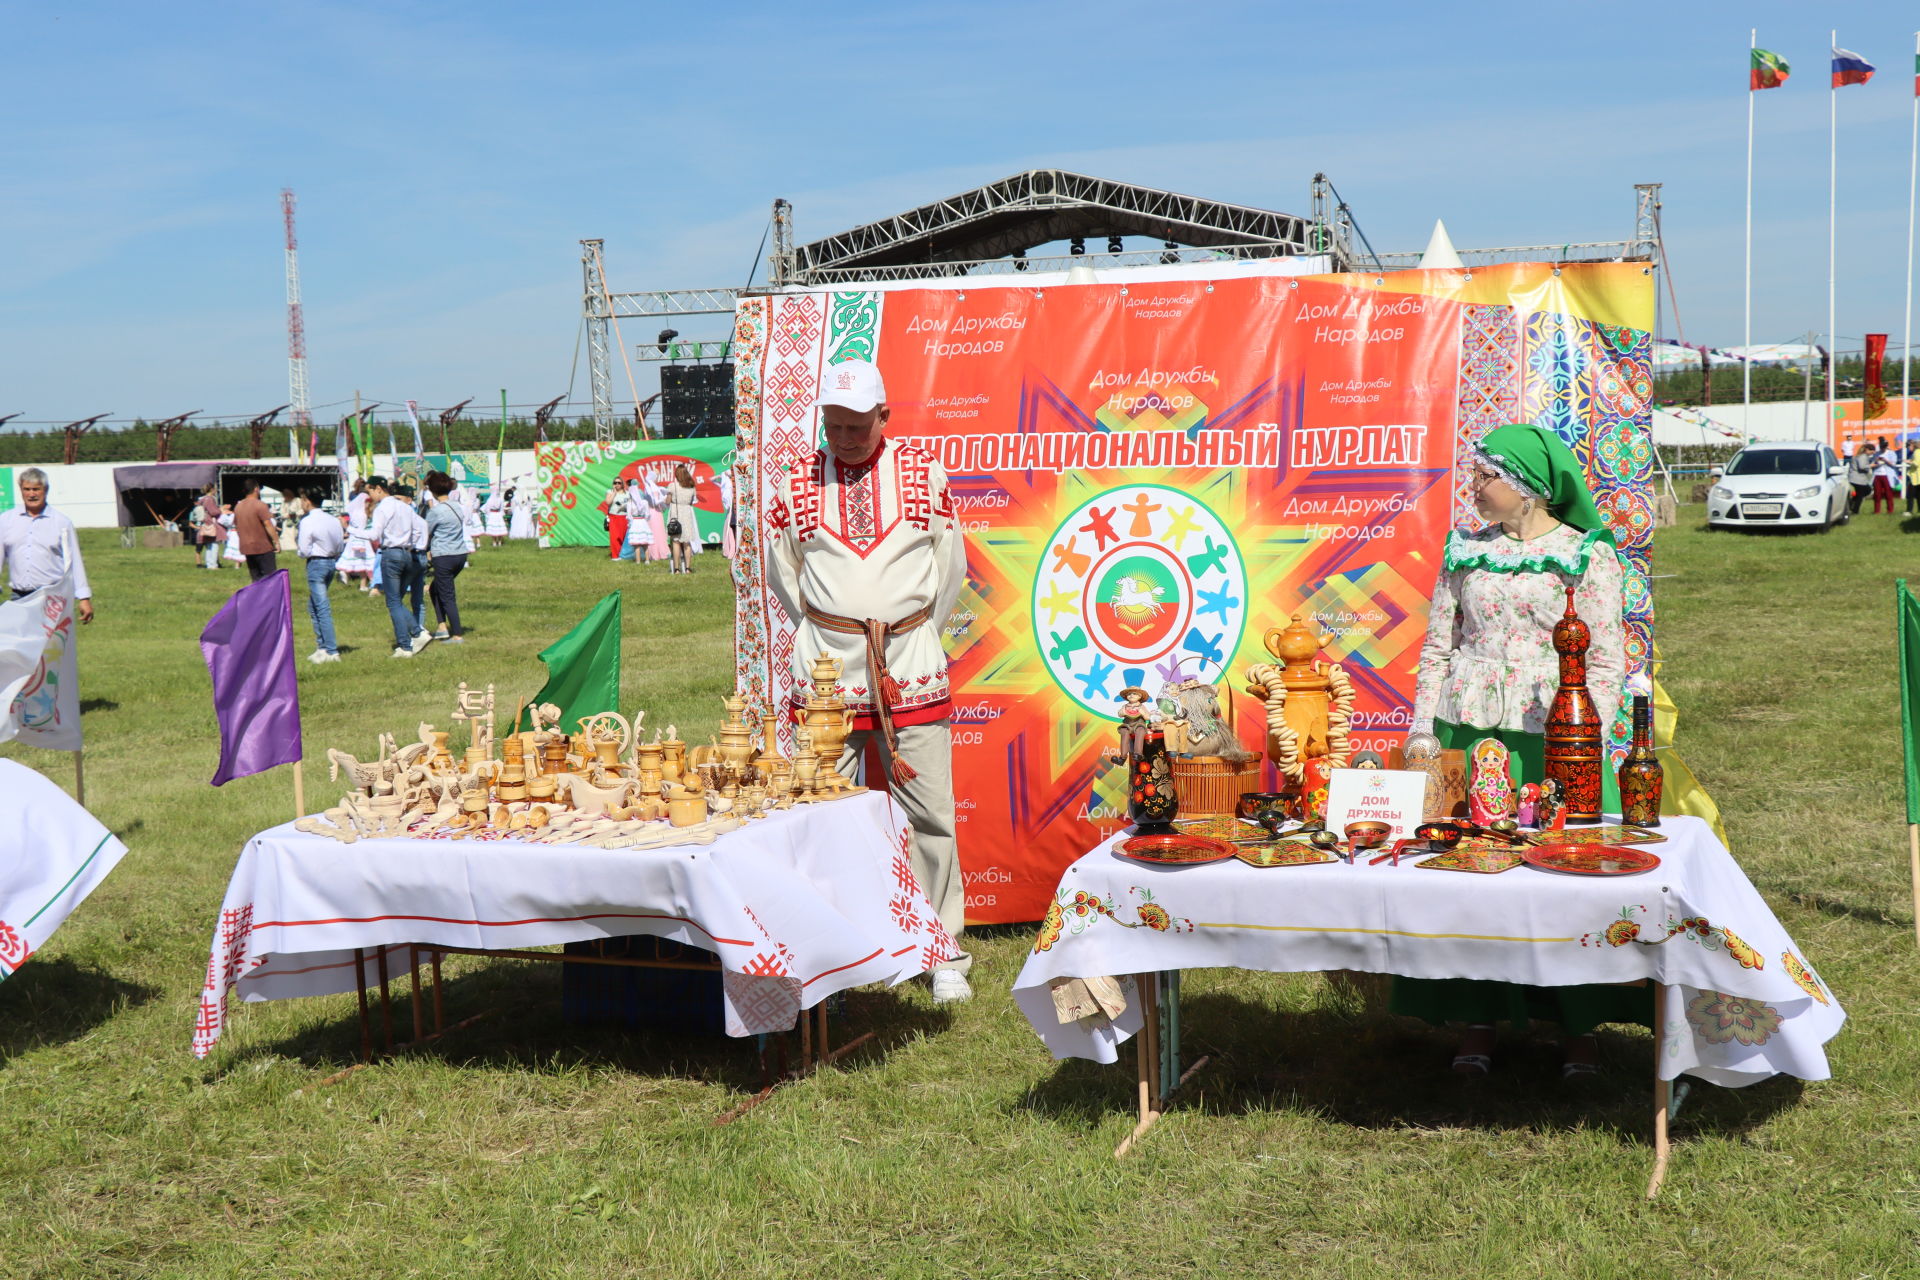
[{"x": 1793, "y": 483}]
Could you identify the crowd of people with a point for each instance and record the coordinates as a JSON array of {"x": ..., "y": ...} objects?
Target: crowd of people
[
  {"x": 407, "y": 547},
  {"x": 651, "y": 517},
  {"x": 1881, "y": 471}
]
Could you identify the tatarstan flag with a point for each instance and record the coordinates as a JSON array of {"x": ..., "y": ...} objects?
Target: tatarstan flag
[{"x": 1769, "y": 70}]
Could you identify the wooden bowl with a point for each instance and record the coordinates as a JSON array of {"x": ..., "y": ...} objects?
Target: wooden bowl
[{"x": 1367, "y": 834}]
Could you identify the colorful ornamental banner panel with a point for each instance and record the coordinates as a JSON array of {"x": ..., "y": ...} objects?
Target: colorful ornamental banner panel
[
  {"x": 574, "y": 478},
  {"x": 1152, "y": 476}
]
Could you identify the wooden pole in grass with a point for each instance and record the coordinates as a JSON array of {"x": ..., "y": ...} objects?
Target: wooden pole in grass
[
  {"x": 80, "y": 782},
  {"x": 1913, "y": 856},
  {"x": 299, "y": 790}
]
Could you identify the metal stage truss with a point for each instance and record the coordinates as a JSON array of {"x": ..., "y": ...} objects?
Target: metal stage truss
[{"x": 988, "y": 231}]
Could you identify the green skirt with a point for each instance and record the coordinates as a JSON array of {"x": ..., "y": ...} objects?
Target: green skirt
[{"x": 1578, "y": 1009}]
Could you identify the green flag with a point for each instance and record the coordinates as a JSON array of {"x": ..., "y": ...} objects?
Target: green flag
[
  {"x": 583, "y": 667},
  {"x": 1908, "y": 610}
]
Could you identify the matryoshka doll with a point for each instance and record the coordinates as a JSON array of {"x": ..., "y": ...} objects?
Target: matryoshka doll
[
  {"x": 1527, "y": 808},
  {"x": 1490, "y": 790}
]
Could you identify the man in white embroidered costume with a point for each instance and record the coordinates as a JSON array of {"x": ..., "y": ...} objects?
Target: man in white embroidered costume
[{"x": 866, "y": 559}]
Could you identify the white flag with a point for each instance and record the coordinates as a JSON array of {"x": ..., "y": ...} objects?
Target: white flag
[
  {"x": 39, "y": 670},
  {"x": 52, "y": 855}
]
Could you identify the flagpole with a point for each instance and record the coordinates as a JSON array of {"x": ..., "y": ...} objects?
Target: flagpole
[
  {"x": 1833, "y": 189},
  {"x": 299, "y": 766},
  {"x": 1746, "y": 366},
  {"x": 1906, "y": 342}
]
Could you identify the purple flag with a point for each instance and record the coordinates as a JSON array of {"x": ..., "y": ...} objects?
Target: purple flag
[{"x": 256, "y": 698}]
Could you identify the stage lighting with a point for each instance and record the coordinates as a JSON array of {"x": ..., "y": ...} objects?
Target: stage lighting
[
  {"x": 1019, "y": 259},
  {"x": 666, "y": 336},
  {"x": 1114, "y": 245},
  {"x": 1170, "y": 255},
  {"x": 1077, "y": 246}
]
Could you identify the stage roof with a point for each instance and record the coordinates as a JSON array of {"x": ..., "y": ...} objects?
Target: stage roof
[{"x": 1045, "y": 205}]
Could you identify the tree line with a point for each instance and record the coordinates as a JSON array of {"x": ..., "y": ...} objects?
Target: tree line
[{"x": 139, "y": 442}]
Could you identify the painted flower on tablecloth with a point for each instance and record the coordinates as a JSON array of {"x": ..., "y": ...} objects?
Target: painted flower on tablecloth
[
  {"x": 13, "y": 947},
  {"x": 1739, "y": 950},
  {"x": 1803, "y": 977},
  {"x": 1622, "y": 931},
  {"x": 1719, "y": 1017},
  {"x": 1050, "y": 928},
  {"x": 1156, "y": 917}
]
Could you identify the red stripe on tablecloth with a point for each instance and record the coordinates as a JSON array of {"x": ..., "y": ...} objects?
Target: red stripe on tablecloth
[
  {"x": 843, "y": 968},
  {"x": 315, "y": 968},
  {"x": 603, "y": 915}
]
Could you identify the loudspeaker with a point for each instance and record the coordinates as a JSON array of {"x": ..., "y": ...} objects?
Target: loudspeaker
[{"x": 696, "y": 400}]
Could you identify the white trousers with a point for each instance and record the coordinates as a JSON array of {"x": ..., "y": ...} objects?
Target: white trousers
[{"x": 928, "y": 800}]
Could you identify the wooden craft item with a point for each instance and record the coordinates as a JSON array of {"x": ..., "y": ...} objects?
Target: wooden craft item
[
  {"x": 1491, "y": 862},
  {"x": 1285, "y": 853},
  {"x": 1641, "y": 777},
  {"x": 1574, "y": 750},
  {"x": 1309, "y": 704},
  {"x": 1490, "y": 791}
]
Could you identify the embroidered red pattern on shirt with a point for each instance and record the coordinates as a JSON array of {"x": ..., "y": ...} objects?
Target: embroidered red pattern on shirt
[
  {"x": 803, "y": 488},
  {"x": 916, "y": 491},
  {"x": 859, "y": 493}
]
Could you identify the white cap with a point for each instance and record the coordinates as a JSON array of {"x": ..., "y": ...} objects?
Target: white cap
[{"x": 852, "y": 384}]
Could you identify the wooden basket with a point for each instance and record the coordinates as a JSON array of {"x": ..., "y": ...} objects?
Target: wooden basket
[{"x": 1210, "y": 786}]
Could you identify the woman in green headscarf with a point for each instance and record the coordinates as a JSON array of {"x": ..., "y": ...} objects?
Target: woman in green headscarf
[{"x": 1488, "y": 670}]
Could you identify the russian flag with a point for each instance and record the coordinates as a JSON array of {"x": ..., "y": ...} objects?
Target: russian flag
[{"x": 1850, "y": 68}]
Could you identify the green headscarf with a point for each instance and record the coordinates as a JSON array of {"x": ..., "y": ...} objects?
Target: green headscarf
[{"x": 1547, "y": 469}]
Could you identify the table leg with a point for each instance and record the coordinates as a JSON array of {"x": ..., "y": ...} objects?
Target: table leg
[
  {"x": 1662, "y": 1095},
  {"x": 439, "y": 1017},
  {"x": 413, "y": 975},
  {"x": 386, "y": 1001},
  {"x": 1146, "y": 1058},
  {"x": 360, "y": 991},
  {"x": 826, "y": 1050}
]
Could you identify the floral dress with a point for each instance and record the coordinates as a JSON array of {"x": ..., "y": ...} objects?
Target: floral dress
[{"x": 1488, "y": 660}]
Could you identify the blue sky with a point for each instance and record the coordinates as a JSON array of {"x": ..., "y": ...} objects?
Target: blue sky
[{"x": 448, "y": 159}]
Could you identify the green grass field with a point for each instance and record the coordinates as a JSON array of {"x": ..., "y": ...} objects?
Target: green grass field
[{"x": 1322, "y": 1140}]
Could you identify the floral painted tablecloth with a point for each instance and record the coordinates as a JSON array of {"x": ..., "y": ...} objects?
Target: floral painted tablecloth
[
  {"x": 798, "y": 905},
  {"x": 1744, "y": 1002}
]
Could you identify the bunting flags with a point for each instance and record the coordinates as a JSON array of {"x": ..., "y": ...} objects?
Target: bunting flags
[
  {"x": 1850, "y": 68},
  {"x": 1769, "y": 70}
]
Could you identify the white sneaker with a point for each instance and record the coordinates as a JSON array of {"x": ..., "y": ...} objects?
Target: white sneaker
[
  {"x": 328, "y": 657},
  {"x": 317, "y": 657},
  {"x": 403, "y": 652},
  {"x": 950, "y": 987},
  {"x": 422, "y": 640}
]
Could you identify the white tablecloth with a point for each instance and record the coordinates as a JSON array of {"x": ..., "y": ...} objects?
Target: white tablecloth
[
  {"x": 1745, "y": 1004},
  {"x": 53, "y": 854},
  {"x": 798, "y": 905}
]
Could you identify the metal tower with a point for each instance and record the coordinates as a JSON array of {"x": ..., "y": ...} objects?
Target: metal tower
[
  {"x": 296, "y": 335},
  {"x": 598, "y": 311},
  {"x": 1646, "y": 222}
]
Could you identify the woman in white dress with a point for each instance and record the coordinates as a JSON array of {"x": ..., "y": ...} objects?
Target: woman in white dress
[
  {"x": 683, "y": 531},
  {"x": 639, "y": 521},
  {"x": 519, "y": 516},
  {"x": 495, "y": 512},
  {"x": 469, "y": 503},
  {"x": 356, "y": 561},
  {"x": 232, "y": 553}
]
